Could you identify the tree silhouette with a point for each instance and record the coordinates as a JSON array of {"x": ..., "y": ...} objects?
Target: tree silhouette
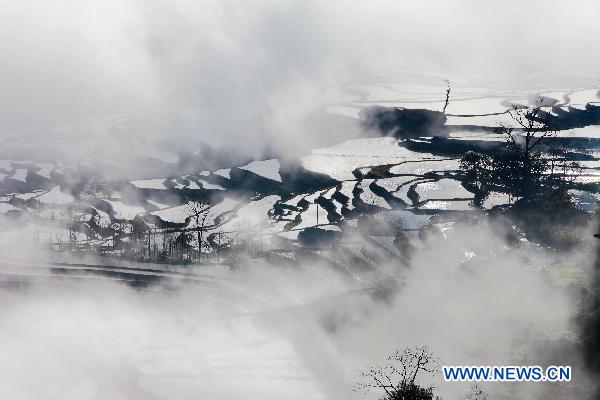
[
  {"x": 199, "y": 211},
  {"x": 521, "y": 166},
  {"x": 398, "y": 376},
  {"x": 478, "y": 171},
  {"x": 528, "y": 166},
  {"x": 447, "y": 82}
]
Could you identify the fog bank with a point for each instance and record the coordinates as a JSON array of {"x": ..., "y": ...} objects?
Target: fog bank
[
  {"x": 272, "y": 331},
  {"x": 253, "y": 72}
]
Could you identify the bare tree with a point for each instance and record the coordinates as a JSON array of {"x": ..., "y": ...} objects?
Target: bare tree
[
  {"x": 199, "y": 211},
  {"x": 533, "y": 128},
  {"x": 527, "y": 167},
  {"x": 398, "y": 376},
  {"x": 523, "y": 165},
  {"x": 447, "y": 83}
]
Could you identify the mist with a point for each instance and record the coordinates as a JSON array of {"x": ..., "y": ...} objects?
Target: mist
[
  {"x": 270, "y": 331},
  {"x": 253, "y": 75},
  {"x": 116, "y": 91}
]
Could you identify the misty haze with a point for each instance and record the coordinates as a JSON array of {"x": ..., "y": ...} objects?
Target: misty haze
[{"x": 262, "y": 199}]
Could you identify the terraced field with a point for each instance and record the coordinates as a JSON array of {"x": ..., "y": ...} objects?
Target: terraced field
[
  {"x": 62, "y": 197},
  {"x": 203, "y": 324}
]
